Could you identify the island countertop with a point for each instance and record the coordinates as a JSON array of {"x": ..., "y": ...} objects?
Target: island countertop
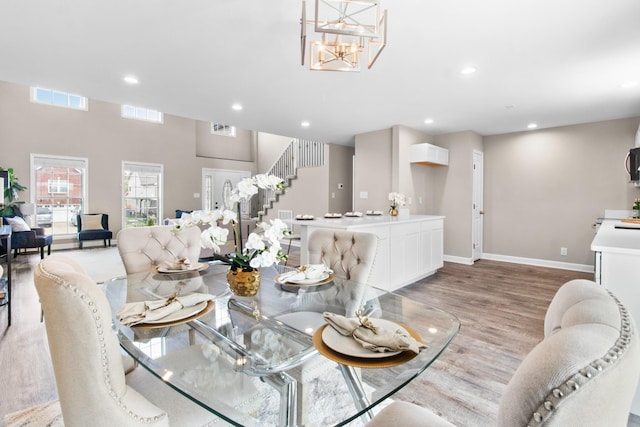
[
  {"x": 617, "y": 240},
  {"x": 409, "y": 247},
  {"x": 348, "y": 222}
]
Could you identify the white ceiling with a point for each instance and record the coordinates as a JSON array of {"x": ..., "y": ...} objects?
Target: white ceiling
[{"x": 552, "y": 62}]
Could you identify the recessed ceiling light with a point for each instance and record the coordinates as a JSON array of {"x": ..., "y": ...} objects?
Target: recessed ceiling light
[
  {"x": 305, "y": 124},
  {"x": 629, "y": 84},
  {"x": 236, "y": 107},
  {"x": 532, "y": 126},
  {"x": 130, "y": 79},
  {"x": 468, "y": 70},
  {"x": 428, "y": 121}
]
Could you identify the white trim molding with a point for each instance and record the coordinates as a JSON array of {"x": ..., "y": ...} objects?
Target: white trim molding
[{"x": 540, "y": 262}]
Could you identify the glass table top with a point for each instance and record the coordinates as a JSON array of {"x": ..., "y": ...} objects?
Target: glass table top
[{"x": 252, "y": 360}]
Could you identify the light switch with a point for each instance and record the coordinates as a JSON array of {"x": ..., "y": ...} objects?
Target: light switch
[
  {"x": 364, "y": 195},
  {"x": 196, "y": 195},
  {"x": 333, "y": 195}
]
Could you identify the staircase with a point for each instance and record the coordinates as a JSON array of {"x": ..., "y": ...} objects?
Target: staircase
[{"x": 300, "y": 153}]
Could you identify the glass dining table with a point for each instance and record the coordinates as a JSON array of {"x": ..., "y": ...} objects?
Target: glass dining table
[{"x": 268, "y": 360}]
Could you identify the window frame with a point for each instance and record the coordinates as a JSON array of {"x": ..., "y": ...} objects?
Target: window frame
[
  {"x": 138, "y": 112},
  {"x": 38, "y": 161},
  {"x": 141, "y": 167},
  {"x": 83, "y": 104}
]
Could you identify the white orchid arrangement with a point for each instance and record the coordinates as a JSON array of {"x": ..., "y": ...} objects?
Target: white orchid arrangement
[
  {"x": 263, "y": 247},
  {"x": 397, "y": 199}
]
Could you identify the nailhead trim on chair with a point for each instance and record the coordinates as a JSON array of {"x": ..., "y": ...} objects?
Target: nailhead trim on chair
[
  {"x": 580, "y": 379},
  {"x": 105, "y": 361}
]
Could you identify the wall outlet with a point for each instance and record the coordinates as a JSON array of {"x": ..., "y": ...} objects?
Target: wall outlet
[
  {"x": 196, "y": 195},
  {"x": 563, "y": 251}
]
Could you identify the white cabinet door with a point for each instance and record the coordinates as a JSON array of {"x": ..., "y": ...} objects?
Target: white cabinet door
[
  {"x": 404, "y": 258},
  {"x": 437, "y": 249},
  {"x": 428, "y": 154}
]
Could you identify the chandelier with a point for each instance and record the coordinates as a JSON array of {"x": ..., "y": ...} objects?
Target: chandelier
[{"x": 344, "y": 28}]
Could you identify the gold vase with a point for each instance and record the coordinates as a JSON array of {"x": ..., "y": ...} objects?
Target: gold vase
[
  {"x": 393, "y": 212},
  {"x": 243, "y": 283}
]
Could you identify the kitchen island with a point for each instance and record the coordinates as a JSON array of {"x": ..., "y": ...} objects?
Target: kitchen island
[
  {"x": 409, "y": 248},
  {"x": 617, "y": 259}
]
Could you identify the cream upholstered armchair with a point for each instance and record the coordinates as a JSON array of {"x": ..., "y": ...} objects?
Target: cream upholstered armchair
[
  {"x": 142, "y": 248},
  {"x": 584, "y": 373},
  {"x": 92, "y": 387}
]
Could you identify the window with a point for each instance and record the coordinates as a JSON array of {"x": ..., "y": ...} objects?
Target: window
[
  {"x": 58, "y": 186},
  {"x": 142, "y": 194},
  {"x": 59, "y": 99},
  {"x": 139, "y": 113},
  {"x": 60, "y": 192},
  {"x": 224, "y": 130}
]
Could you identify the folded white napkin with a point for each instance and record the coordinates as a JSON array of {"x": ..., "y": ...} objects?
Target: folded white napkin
[
  {"x": 383, "y": 340},
  {"x": 177, "y": 264},
  {"x": 134, "y": 313},
  {"x": 306, "y": 272}
]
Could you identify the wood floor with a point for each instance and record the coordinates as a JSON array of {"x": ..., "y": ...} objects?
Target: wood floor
[{"x": 501, "y": 308}]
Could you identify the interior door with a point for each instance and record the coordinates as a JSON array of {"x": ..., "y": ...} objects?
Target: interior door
[
  {"x": 478, "y": 212},
  {"x": 212, "y": 183}
]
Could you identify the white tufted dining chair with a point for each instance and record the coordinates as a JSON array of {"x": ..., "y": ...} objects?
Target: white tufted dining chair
[
  {"x": 92, "y": 387},
  {"x": 142, "y": 248},
  {"x": 583, "y": 373},
  {"x": 349, "y": 254}
]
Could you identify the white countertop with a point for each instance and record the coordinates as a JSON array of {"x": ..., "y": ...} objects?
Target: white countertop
[
  {"x": 364, "y": 221},
  {"x": 616, "y": 240}
]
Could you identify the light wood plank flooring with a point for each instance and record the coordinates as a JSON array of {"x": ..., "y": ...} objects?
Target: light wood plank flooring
[{"x": 501, "y": 307}]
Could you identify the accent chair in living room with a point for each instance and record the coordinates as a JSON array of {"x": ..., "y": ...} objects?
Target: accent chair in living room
[
  {"x": 25, "y": 237},
  {"x": 93, "y": 227}
]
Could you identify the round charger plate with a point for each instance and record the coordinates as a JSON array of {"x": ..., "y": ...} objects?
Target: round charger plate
[
  {"x": 350, "y": 347},
  {"x": 184, "y": 315},
  {"x": 359, "y": 362},
  {"x": 197, "y": 266},
  {"x": 326, "y": 278}
]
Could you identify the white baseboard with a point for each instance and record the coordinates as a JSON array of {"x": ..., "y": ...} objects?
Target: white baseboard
[
  {"x": 540, "y": 262},
  {"x": 458, "y": 259}
]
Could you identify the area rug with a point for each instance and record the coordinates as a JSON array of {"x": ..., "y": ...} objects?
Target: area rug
[{"x": 45, "y": 415}]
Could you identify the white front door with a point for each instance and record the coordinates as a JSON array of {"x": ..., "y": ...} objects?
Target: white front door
[
  {"x": 212, "y": 184},
  {"x": 478, "y": 176}
]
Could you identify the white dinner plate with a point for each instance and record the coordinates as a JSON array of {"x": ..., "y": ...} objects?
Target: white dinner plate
[
  {"x": 193, "y": 267},
  {"x": 324, "y": 278},
  {"x": 183, "y": 313},
  {"x": 350, "y": 347}
]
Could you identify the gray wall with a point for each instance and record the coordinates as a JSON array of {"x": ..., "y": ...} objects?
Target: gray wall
[
  {"x": 544, "y": 189},
  {"x": 106, "y": 139}
]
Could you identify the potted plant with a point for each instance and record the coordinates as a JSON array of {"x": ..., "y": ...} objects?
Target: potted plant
[
  {"x": 11, "y": 205},
  {"x": 262, "y": 248}
]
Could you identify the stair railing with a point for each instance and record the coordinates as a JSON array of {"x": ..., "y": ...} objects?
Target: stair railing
[{"x": 299, "y": 153}]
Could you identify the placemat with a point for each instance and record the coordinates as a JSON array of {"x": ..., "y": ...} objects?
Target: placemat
[
  {"x": 357, "y": 362},
  {"x": 207, "y": 309}
]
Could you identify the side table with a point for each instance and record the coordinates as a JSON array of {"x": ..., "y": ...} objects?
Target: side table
[{"x": 5, "y": 283}]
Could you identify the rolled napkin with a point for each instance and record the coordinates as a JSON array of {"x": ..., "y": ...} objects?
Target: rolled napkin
[
  {"x": 134, "y": 313},
  {"x": 382, "y": 340},
  {"x": 306, "y": 272}
]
